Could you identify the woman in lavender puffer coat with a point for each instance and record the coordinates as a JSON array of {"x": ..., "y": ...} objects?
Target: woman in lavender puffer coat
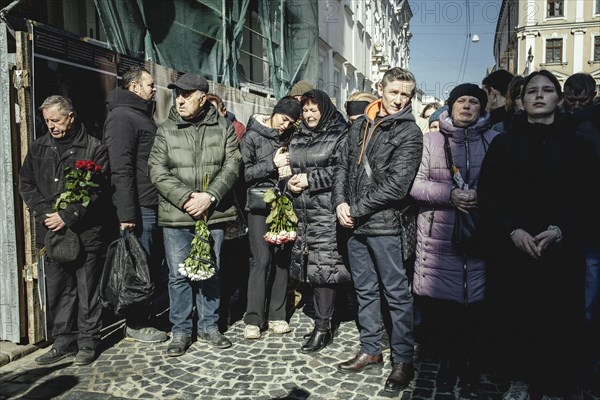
[{"x": 449, "y": 282}]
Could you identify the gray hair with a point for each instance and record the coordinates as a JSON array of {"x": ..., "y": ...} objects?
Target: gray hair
[{"x": 64, "y": 105}]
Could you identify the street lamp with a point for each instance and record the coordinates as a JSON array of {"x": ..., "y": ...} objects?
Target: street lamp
[{"x": 529, "y": 62}]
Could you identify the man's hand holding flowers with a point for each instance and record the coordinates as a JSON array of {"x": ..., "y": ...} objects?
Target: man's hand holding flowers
[{"x": 198, "y": 205}]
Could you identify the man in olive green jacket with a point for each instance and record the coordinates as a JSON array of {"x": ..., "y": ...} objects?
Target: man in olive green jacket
[{"x": 194, "y": 164}]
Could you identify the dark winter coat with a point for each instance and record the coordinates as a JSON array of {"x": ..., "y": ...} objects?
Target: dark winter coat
[
  {"x": 317, "y": 253},
  {"x": 184, "y": 153},
  {"x": 258, "y": 147},
  {"x": 441, "y": 270},
  {"x": 129, "y": 133},
  {"x": 394, "y": 154},
  {"x": 533, "y": 176},
  {"x": 42, "y": 180}
]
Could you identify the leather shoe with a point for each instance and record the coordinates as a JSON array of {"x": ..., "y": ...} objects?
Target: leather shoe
[
  {"x": 215, "y": 339},
  {"x": 178, "y": 346},
  {"x": 309, "y": 334},
  {"x": 317, "y": 341},
  {"x": 53, "y": 356},
  {"x": 85, "y": 356},
  {"x": 360, "y": 362},
  {"x": 400, "y": 377}
]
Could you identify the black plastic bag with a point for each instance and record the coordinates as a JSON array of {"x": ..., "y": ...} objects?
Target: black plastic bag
[{"x": 126, "y": 278}]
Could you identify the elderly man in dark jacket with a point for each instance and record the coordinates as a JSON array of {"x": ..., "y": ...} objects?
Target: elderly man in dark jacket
[
  {"x": 72, "y": 286},
  {"x": 129, "y": 135},
  {"x": 372, "y": 180},
  {"x": 194, "y": 164}
]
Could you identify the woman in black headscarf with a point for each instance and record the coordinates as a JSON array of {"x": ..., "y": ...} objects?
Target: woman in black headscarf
[{"x": 316, "y": 255}]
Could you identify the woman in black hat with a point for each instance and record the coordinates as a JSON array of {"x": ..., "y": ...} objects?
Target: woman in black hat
[{"x": 264, "y": 153}]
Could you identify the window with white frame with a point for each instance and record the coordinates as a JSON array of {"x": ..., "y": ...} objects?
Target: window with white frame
[
  {"x": 597, "y": 48},
  {"x": 597, "y": 8},
  {"x": 554, "y": 51},
  {"x": 555, "y": 8}
]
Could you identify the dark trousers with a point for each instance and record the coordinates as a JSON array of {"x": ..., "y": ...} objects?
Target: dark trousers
[
  {"x": 324, "y": 302},
  {"x": 149, "y": 234},
  {"x": 376, "y": 260},
  {"x": 453, "y": 331},
  {"x": 73, "y": 301},
  {"x": 268, "y": 277}
]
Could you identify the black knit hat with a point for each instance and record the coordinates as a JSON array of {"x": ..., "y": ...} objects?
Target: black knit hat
[
  {"x": 288, "y": 106},
  {"x": 467, "y": 89}
]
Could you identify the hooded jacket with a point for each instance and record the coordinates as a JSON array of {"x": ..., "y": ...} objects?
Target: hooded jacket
[
  {"x": 317, "y": 252},
  {"x": 184, "y": 155},
  {"x": 441, "y": 270},
  {"x": 393, "y": 146},
  {"x": 129, "y": 133},
  {"x": 42, "y": 180}
]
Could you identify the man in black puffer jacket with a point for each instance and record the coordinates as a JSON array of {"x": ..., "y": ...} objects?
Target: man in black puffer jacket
[
  {"x": 372, "y": 180},
  {"x": 129, "y": 135}
]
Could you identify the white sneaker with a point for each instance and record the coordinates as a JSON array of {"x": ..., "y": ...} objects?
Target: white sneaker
[
  {"x": 517, "y": 391},
  {"x": 251, "y": 332}
]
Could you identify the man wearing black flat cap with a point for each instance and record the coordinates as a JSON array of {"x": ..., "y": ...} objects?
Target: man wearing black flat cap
[{"x": 193, "y": 146}]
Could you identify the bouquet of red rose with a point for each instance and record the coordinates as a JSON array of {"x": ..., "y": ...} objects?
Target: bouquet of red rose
[
  {"x": 64, "y": 246},
  {"x": 282, "y": 218},
  {"x": 78, "y": 182}
]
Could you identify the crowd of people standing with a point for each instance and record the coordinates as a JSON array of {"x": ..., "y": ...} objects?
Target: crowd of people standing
[{"x": 378, "y": 204}]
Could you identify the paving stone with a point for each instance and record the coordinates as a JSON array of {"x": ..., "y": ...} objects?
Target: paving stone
[{"x": 265, "y": 369}]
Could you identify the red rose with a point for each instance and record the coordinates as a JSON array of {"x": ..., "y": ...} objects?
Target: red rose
[
  {"x": 80, "y": 164},
  {"x": 97, "y": 168}
]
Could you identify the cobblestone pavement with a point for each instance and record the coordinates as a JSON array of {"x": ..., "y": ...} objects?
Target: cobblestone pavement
[{"x": 269, "y": 368}]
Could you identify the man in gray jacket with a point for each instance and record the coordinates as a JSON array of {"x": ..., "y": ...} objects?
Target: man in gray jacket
[
  {"x": 372, "y": 180},
  {"x": 194, "y": 164}
]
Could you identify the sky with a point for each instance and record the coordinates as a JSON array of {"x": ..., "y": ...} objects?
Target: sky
[{"x": 437, "y": 47}]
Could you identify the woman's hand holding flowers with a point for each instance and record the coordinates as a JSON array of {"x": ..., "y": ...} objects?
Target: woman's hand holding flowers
[{"x": 282, "y": 157}]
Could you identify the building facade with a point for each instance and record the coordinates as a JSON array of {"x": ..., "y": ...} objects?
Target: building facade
[
  {"x": 358, "y": 41},
  {"x": 562, "y": 36}
]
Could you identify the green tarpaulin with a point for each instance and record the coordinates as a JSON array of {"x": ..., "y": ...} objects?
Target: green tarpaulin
[{"x": 205, "y": 36}]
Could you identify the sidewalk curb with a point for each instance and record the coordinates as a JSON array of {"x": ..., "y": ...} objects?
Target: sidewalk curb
[{"x": 10, "y": 351}]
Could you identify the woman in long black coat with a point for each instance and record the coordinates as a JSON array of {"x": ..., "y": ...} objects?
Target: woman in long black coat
[
  {"x": 316, "y": 255},
  {"x": 534, "y": 193}
]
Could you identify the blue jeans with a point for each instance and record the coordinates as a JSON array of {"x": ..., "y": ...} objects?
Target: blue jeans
[
  {"x": 147, "y": 231},
  {"x": 182, "y": 291},
  {"x": 374, "y": 260},
  {"x": 592, "y": 282},
  {"x": 147, "y": 235}
]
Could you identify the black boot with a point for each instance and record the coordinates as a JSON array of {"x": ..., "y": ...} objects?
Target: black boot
[
  {"x": 317, "y": 341},
  {"x": 309, "y": 334}
]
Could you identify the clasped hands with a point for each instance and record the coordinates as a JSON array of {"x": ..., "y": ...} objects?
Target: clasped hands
[
  {"x": 298, "y": 183},
  {"x": 197, "y": 205},
  {"x": 533, "y": 245}
]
